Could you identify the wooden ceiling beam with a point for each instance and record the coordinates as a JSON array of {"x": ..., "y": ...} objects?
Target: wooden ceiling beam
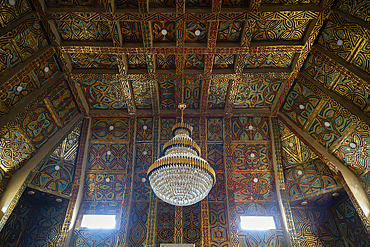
[
  {"x": 86, "y": 43},
  {"x": 350, "y": 181},
  {"x": 72, "y": 14},
  {"x": 178, "y": 50}
]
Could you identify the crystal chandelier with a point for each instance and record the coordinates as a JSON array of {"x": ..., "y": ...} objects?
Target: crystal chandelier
[{"x": 181, "y": 177}]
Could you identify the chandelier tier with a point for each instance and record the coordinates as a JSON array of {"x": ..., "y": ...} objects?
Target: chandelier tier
[{"x": 181, "y": 177}]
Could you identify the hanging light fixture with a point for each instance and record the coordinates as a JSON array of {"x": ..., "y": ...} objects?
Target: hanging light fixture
[{"x": 181, "y": 177}]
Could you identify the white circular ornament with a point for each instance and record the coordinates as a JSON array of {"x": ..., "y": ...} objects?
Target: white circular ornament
[
  {"x": 143, "y": 180},
  {"x": 327, "y": 124},
  {"x": 107, "y": 180},
  {"x": 255, "y": 180},
  {"x": 301, "y": 107},
  {"x": 335, "y": 194},
  {"x": 164, "y": 32},
  {"x": 340, "y": 42},
  {"x": 145, "y": 127},
  {"x": 58, "y": 200},
  {"x": 57, "y": 168},
  {"x": 197, "y": 32},
  {"x": 111, "y": 127},
  {"x": 109, "y": 152},
  {"x": 352, "y": 145},
  {"x": 46, "y": 69},
  {"x": 31, "y": 192},
  {"x": 145, "y": 152},
  {"x": 304, "y": 203},
  {"x": 19, "y": 88},
  {"x": 12, "y": 2},
  {"x": 250, "y": 127},
  {"x": 291, "y": 144},
  {"x": 299, "y": 172}
]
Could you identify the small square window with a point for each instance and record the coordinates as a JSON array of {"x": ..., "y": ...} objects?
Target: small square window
[
  {"x": 94, "y": 221},
  {"x": 257, "y": 223}
]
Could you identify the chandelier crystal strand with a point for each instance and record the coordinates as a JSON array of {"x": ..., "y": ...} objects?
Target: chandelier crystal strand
[{"x": 181, "y": 177}]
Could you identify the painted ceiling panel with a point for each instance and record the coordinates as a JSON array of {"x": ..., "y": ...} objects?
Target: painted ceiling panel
[
  {"x": 194, "y": 61},
  {"x": 358, "y": 8},
  {"x": 101, "y": 91},
  {"x": 251, "y": 157},
  {"x": 224, "y": 61},
  {"x": 333, "y": 32},
  {"x": 217, "y": 93},
  {"x": 9, "y": 56},
  {"x": 131, "y": 32},
  {"x": 102, "y": 160},
  {"x": 235, "y": 3},
  {"x": 169, "y": 26},
  {"x": 257, "y": 91},
  {"x": 301, "y": 95},
  {"x": 127, "y": 3},
  {"x": 362, "y": 58},
  {"x": 357, "y": 92},
  {"x": 92, "y": 60},
  {"x": 192, "y": 93},
  {"x": 84, "y": 30},
  {"x": 101, "y": 130},
  {"x": 308, "y": 179},
  {"x": 192, "y": 27},
  {"x": 273, "y": 30},
  {"x": 137, "y": 61},
  {"x": 142, "y": 94},
  {"x": 11, "y": 13},
  {"x": 30, "y": 39},
  {"x": 162, "y": 3},
  {"x": 358, "y": 157},
  {"x": 269, "y": 60},
  {"x": 229, "y": 31},
  {"x": 166, "y": 61},
  {"x": 167, "y": 94},
  {"x": 294, "y": 151},
  {"x": 197, "y": 3},
  {"x": 42, "y": 74},
  {"x": 10, "y": 94}
]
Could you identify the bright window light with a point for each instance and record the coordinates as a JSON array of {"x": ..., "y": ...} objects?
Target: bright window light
[
  {"x": 257, "y": 222},
  {"x": 98, "y": 221}
]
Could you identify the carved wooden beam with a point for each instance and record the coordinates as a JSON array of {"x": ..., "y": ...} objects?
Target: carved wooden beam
[{"x": 13, "y": 25}]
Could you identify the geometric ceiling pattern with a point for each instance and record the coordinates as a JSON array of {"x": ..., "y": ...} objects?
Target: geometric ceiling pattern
[{"x": 277, "y": 92}]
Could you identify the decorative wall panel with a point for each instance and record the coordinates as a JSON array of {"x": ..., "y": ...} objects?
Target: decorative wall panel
[
  {"x": 218, "y": 224},
  {"x": 169, "y": 26},
  {"x": 167, "y": 94},
  {"x": 144, "y": 129},
  {"x": 43, "y": 75},
  {"x": 214, "y": 129},
  {"x": 165, "y": 223},
  {"x": 192, "y": 229},
  {"x": 192, "y": 93},
  {"x": 229, "y": 31},
  {"x": 247, "y": 157},
  {"x": 269, "y": 60},
  {"x": 104, "y": 187},
  {"x": 102, "y": 160},
  {"x": 166, "y": 128}
]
